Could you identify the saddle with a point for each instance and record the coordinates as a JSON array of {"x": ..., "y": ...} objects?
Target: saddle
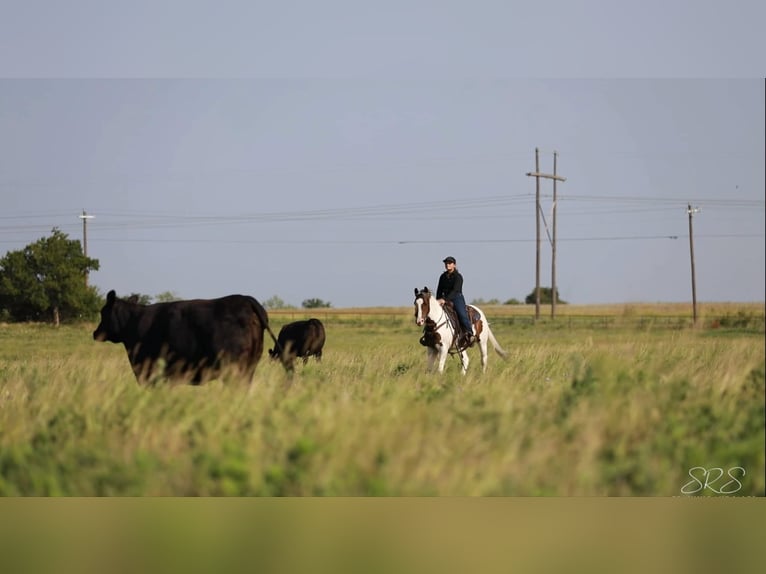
[{"x": 431, "y": 338}]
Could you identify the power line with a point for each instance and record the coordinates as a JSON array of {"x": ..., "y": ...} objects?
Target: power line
[
  {"x": 412, "y": 241},
  {"x": 481, "y": 208},
  {"x": 396, "y": 209},
  {"x": 660, "y": 199}
]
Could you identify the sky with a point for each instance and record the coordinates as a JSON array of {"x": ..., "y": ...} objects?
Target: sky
[{"x": 322, "y": 150}]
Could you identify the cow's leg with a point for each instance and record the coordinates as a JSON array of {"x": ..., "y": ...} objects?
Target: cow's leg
[
  {"x": 242, "y": 370},
  {"x": 198, "y": 376},
  {"x": 137, "y": 371},
  {"x": 248, "y": 373},
  {"x": 142, "y": 370}
]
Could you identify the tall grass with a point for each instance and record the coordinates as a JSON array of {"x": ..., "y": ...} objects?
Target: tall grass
[{"x": 580, "y": 411}]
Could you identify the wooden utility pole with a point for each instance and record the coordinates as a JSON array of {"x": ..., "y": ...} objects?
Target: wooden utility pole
[
  {"x": 691, "y": 213},
  {"x": 85, "y": 217},
  {"x": 537, "y": 235},
  {"x": 553, "y": 244},
  {"x": 537, "y": 175}
]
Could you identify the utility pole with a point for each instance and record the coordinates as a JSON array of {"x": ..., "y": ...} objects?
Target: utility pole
[
  {"x": 691, "y": 213},
  {"x": 537, "y": 235},
  {"x": 537, "y": 175},
  {"x": 85, "y": 217},
  {"x": 553, "y": 244}
]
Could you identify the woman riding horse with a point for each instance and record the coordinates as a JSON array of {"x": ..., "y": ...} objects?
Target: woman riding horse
[{"x": 450, "y": 288}]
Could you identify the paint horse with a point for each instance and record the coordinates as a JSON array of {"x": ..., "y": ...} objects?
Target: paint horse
[{"x": 440, "y": 334}]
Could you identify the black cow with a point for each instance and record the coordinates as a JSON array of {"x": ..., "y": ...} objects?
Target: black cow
[
  {"x": 193, "y": 340},
  {"x": 299, "y": 339}
]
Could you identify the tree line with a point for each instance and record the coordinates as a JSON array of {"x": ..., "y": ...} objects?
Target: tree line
[
  {"x": 546, "y": 298},
  {"x": 46, "y": 281}
]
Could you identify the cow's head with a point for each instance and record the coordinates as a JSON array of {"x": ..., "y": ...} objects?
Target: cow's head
[{"x": 114, "y": 318}]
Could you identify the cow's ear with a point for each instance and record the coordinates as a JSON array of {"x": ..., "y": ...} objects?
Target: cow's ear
[{"x": 110, "y": 297}]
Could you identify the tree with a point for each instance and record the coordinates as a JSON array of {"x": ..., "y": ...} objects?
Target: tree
[
  {"x": 276, "y": 303},
  {"x": 167, "y": 297},
  {"x": 315, "y": 304},
  {"x": 546, "y": 296},
  {"x": 47, "y": 279},
  {"x": 140, "y": 298}
]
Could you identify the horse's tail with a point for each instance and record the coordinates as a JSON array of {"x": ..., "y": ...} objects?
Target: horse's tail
[{"x": 498, "y": 349}]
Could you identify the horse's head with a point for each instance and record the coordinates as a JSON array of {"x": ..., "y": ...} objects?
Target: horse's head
[{"x": 422, "y": 305}]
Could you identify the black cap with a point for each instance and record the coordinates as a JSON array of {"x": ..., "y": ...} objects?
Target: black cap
[{"x": 450, "y": 260}]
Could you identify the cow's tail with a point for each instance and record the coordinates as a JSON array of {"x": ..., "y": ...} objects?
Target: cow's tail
[
  {"x": 277, "y": 346},
  {"x": 263, "y": 317}
]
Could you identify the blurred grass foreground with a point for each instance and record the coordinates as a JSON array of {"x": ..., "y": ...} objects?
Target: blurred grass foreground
[{"x": 402, "y": 535}]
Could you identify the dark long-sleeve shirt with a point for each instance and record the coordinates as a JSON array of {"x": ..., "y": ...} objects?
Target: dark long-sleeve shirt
[{"x": 450, "y": 285}]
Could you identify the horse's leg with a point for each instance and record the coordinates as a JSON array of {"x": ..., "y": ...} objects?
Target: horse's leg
[
  {"x": 443, "y": 352},
  {"x": 431, "y": 354},
  {"x": 464, "y": 360},
  {"x": 483, "y": 347}
]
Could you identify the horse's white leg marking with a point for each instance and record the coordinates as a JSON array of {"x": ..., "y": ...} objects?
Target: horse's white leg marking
[
  {"x": 483, "y": 347},
  {"x": 443, "y": 352},
  {"x": 431, "y": 354},
  {"x": 464, "y": 361}
]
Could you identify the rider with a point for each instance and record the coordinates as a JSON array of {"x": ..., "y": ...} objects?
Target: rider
[{"x": 451, "y": 288}]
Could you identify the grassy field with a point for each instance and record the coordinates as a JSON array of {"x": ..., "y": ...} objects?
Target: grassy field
[{"x": 615, "y": 401}]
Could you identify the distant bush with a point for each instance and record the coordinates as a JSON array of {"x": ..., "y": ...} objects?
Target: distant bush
[
  {"x": 512, "y": 301},
  {"x": 740, "y": 320},
  {"x": 140, "y": 298},
  {"x": 167, "y": 297},
  {"x": 276, "y": 303},
  {"x": 315, "y": 304},
  {"x": 546, "y": 296}
]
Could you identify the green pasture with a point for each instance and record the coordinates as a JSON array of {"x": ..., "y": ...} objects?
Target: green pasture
[{"x": 612, "y": 405}]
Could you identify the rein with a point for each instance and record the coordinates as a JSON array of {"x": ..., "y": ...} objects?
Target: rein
[
  {"x": 426, "y": 315},
  {"x": 444, "y": 316}
]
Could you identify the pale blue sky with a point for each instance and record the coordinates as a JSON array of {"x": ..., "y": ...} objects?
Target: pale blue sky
[{"x": 342, "y": 153}]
